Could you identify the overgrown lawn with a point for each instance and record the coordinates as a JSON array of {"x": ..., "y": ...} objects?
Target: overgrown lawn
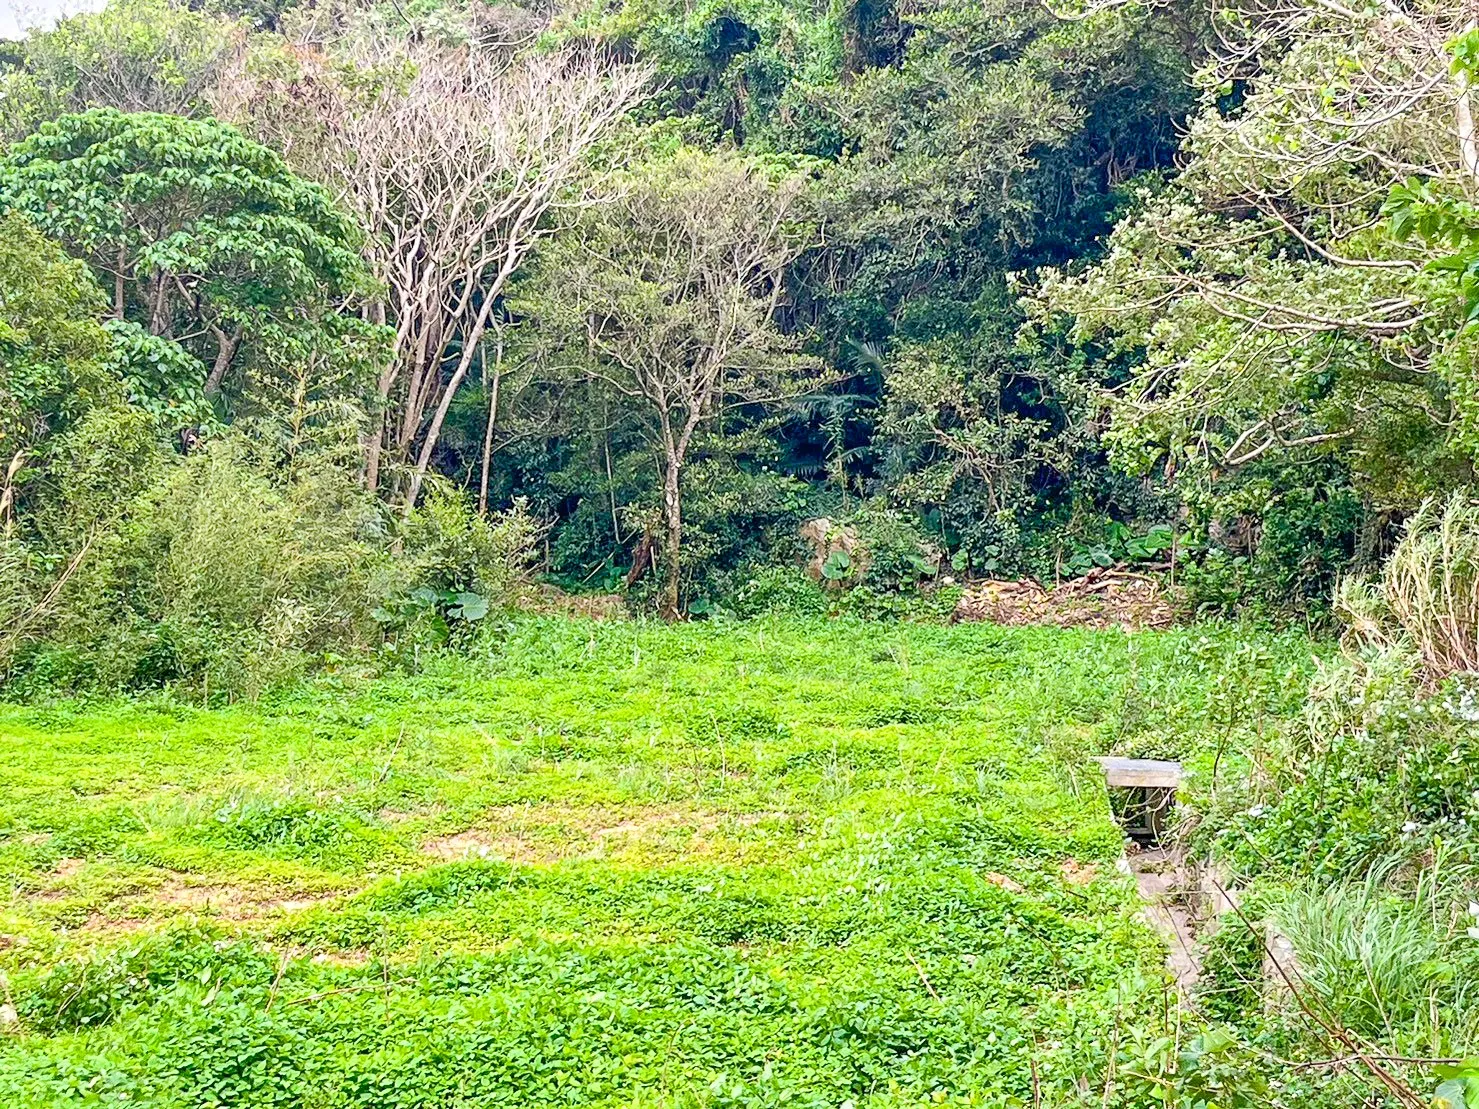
[{"x": 777, "y": 862}]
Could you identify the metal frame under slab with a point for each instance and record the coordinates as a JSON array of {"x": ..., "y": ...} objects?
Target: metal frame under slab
[{"x": 1151, "y": 785}]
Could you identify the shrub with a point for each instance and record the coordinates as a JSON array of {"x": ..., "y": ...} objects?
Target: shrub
[
  {"x": 1377, "y": 765},
  {"x": 447, "y": 545},
  {"x": 1389, "y": 959},
  {"x": 784, "y": 589},
  {"x": 455, "y": 566},
  {"x": 218, "y": 575},
  {"x": 736, "y": 521},
  {"x": 1228, "y": 987},
  {"x": 1277, "y": 540},
  {"x": 18, "y": 601},
  {"x": 900, "y": 555}
]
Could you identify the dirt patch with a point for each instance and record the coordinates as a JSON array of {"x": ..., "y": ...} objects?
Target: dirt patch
[
  {"x": 64, "y": 871},
  {"x": 1001, "y": 881},
  {"x": 1114, "y": 598},
  {"x": 1076, "y": 873},
  {"x": 181, "y": 894},
  {"x": 479, "y": 844},
  {"x": 550, "y": 833},
  {"x": 99, "y": 922},
  {"x": 357, "y": 957}
]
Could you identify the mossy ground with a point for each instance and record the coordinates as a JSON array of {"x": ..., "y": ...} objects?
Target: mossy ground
[{"x": 779, "y": 862}]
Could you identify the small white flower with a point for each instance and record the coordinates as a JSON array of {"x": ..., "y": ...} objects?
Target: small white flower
[{"x": 1409, "y": 827}]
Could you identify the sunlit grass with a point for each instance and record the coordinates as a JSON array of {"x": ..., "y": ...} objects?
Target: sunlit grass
[{"x": 786, "y": 861}]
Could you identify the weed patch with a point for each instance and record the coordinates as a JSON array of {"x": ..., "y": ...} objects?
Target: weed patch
[{"x": 790, "y": 861}]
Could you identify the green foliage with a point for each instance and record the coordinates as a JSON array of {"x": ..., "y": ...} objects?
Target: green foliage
[
  {"x": 1276, "y": 539},
  {"x": 161, "y": 377},
  {"x": 778, "y": 589},
  {"x": 52, "y": 344},
  {"x": 293, "y": 828},
  {"x": 741, "y": 72},
  {"x": 219, "y": 574},
  {"x": 1230, "y": 984},
  {"x": 896, "y": 552},
  {"x": 953, "y": 144},
  {"x": 1458, "y": 1086},
  {"x": 135, "y": 55},
  {"x": 739, "y": 519},
  {"x": 455, "y": 565},
  {"x": 663, "y": 302},
  {"x": 207, "y": 233},
  {"x": 1378, "y": 763},
  {"x": 607, "y": 863}
]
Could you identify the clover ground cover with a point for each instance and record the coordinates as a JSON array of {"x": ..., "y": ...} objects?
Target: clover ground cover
[{"x": 780, "y": 862}]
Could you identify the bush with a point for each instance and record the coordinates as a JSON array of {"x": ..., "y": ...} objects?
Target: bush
[
  {"x": 1229, "y": 986},
  {"x": 454, "y": 567},
  {"x": 447, "y": 545},
  {"x": 899, "y": 554},
  {"x": 1388, "y": 754},
  {"x": 737, "y": 520},
  {"x": 18, "y": 601},
  {"x": 217, "y": 575},
  {"x": 1277, "y": 541},
  {"x": 778, "y": 589},
  {"x": 1371, "y": 956}
]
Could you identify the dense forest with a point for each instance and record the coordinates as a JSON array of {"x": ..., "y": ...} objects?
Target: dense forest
[
  {"x": 321, "y": 320},
  {"x": 513, "y": 516}
]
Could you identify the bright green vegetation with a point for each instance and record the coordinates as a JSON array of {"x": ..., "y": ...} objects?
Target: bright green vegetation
[
  {"x": 801, "y": 862},
  {"x": 332, "y": 332}
]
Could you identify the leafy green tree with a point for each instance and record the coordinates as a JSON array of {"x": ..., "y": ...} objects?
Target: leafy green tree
[
  {"x": 667, "y": 295},
  {"x": 958, "y": 143},
  {"x": 204, "y": 236},
  {"x": 1272, "y": 314},
  {"x": 61, "y": 400},
  {"x": 52, "y": 347}
]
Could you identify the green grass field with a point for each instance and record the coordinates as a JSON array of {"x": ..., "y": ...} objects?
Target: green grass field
[{"x": 802, "y": 863}]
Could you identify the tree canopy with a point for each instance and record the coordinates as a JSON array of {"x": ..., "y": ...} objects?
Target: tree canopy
[{"x": 1055, "y": 277}]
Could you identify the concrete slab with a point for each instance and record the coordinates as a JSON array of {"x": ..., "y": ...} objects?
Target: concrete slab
[{"x": 1140, "y": 773}]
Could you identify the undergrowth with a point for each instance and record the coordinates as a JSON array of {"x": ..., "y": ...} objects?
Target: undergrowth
[{"x": 788, "y": 861}]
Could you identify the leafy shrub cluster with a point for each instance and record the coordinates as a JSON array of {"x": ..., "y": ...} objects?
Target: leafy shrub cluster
[
  {"x": 1387, "y": 756},
  {"x": 224, "y": 574}
]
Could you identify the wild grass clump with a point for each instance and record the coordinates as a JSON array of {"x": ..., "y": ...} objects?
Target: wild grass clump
[{"x": 1427, "y": 598}]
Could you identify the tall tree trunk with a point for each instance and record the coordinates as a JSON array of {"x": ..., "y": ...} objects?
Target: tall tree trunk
[
  {"x": 434, "y": 431},
  {"x": 1468, "y": 141},
  {"x": 376, "y": 442},
  {"x": 159, "y": 315},
  {"x": 375, "y": 449},
  {"x": 672, "y": 548},
  {"x": 492, "y": 419},
  {"x": 225, "y": 351}
]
